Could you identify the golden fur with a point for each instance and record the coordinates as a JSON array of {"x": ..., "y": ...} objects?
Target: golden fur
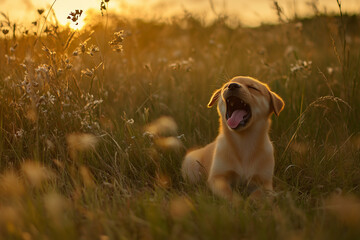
[{"x": 243, "y": 153}]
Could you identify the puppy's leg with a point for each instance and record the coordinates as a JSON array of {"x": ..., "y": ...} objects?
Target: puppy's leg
[
  {"x": 220, "y": 186},
  {"x": 192, "y": 169}
]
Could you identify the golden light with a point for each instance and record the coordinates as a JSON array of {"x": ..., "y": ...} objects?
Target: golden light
[
  {"x": 63, "y": 8},
  {"x": 79, "y": 24},
  {"x": 250, "y": 14}
]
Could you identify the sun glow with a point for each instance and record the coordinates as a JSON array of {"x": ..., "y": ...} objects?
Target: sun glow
[
  {"x": 65, "y": 8},
  {"x": 78, "y": 24}
]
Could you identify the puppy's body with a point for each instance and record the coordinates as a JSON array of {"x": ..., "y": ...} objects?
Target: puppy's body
[{"x": 242, "y": 151}]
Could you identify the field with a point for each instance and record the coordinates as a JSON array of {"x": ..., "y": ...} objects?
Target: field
[{"x": 94, "y": 124}]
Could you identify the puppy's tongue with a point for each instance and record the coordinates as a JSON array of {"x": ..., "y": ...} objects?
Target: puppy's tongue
[{"x": 236, "y": 117}]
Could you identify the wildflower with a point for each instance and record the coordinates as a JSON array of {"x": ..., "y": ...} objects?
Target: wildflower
[
  {"x": 148, "y": 134},
  {"x": 46, "y": 49},
  {"x": 300, "y": 65},
  {"x": 92, "y": 50},
  {"x": 19, "y": 133},
  {"x": 60, "y": 71},
  {"x": 130, "y": 121},
  {"x": 117, "y": 48},
  {"x": 68, "y": 66},
  {"x": 49, "y": 144},
  {"x": 117, "y": 41},
  {"x": 330, "y": 70},
  {"x": 44, "y": 68},
  {"x": 50, "y": 98},
  {"x": 10, "y": 59},
  {"x": 83, "y": 47},
  {"x": 93, "y": 104}
]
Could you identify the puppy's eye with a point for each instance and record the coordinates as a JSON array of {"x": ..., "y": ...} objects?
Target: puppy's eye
[{"x": 254, "y": 88}]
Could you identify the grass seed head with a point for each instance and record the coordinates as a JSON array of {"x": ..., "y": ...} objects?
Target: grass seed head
[
  {"x": 163, "y": 126},
  {"x": 180, "y": 207},
  {"x": 9, "y": 218},
  {"x": 55, "y": 204},
  {"x": 35, "y": 173},
  {"x": 87, "y": 177},
  {"x": 168, "y": 143},
  {"x": 81, "y": 141},
  {"x": 10, "y": 185},
  {"x": 346, "y": 208}
]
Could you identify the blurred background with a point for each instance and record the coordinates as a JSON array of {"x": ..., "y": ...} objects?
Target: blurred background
[{"x": 249, "y": 13}]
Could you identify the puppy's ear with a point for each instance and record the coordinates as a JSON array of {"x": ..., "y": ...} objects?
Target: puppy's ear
[
  {"x": 214, "y": 98},
  {"x": 276, "y": 103}
]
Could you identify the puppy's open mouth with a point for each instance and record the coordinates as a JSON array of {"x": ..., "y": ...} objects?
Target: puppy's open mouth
[{"x": 238, "y": 113}]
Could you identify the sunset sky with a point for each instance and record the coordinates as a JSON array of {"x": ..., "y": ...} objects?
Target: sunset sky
[{"x": 250, "y": 13}]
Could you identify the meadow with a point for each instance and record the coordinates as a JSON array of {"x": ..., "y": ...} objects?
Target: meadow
[{"x": 94, "y": 124}]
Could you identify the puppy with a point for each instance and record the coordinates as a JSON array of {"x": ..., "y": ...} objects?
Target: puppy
[{"x": 242, "y": 151}]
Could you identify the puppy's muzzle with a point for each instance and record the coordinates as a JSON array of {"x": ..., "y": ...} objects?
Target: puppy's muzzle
[
  {"x": 233, "y": 86},
  {"x": 238, "y": 112}
]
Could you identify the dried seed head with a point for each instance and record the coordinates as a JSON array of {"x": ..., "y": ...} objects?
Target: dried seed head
[
  {"x": 180, "y": 207},
  {"x": 9, "y": 217},
  {"x": 168, "y": 143},
  {"x": 79, "y": 142},
  {"x": 162, "y": 126},
  {"x": 86, "y": 176},
  {"x": 345, "y": 208},
  {"x": 35, "y": 172},
  {"x": 55, "y": 205},
  {"x": 10, "y": 185},
  {"x": 87, "y": 72}
]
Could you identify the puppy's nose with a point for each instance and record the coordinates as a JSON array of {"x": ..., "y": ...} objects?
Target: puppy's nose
[{"x": 233, "y": 86}]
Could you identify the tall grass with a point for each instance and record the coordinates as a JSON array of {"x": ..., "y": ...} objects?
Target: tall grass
[{"x": 86, "y": 151}]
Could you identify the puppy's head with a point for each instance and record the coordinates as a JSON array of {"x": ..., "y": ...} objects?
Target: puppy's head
[{"x": 245, "y": 100}]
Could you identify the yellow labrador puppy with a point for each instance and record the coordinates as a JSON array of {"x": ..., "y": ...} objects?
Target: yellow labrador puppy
[{"x": 242, "y": 151}]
